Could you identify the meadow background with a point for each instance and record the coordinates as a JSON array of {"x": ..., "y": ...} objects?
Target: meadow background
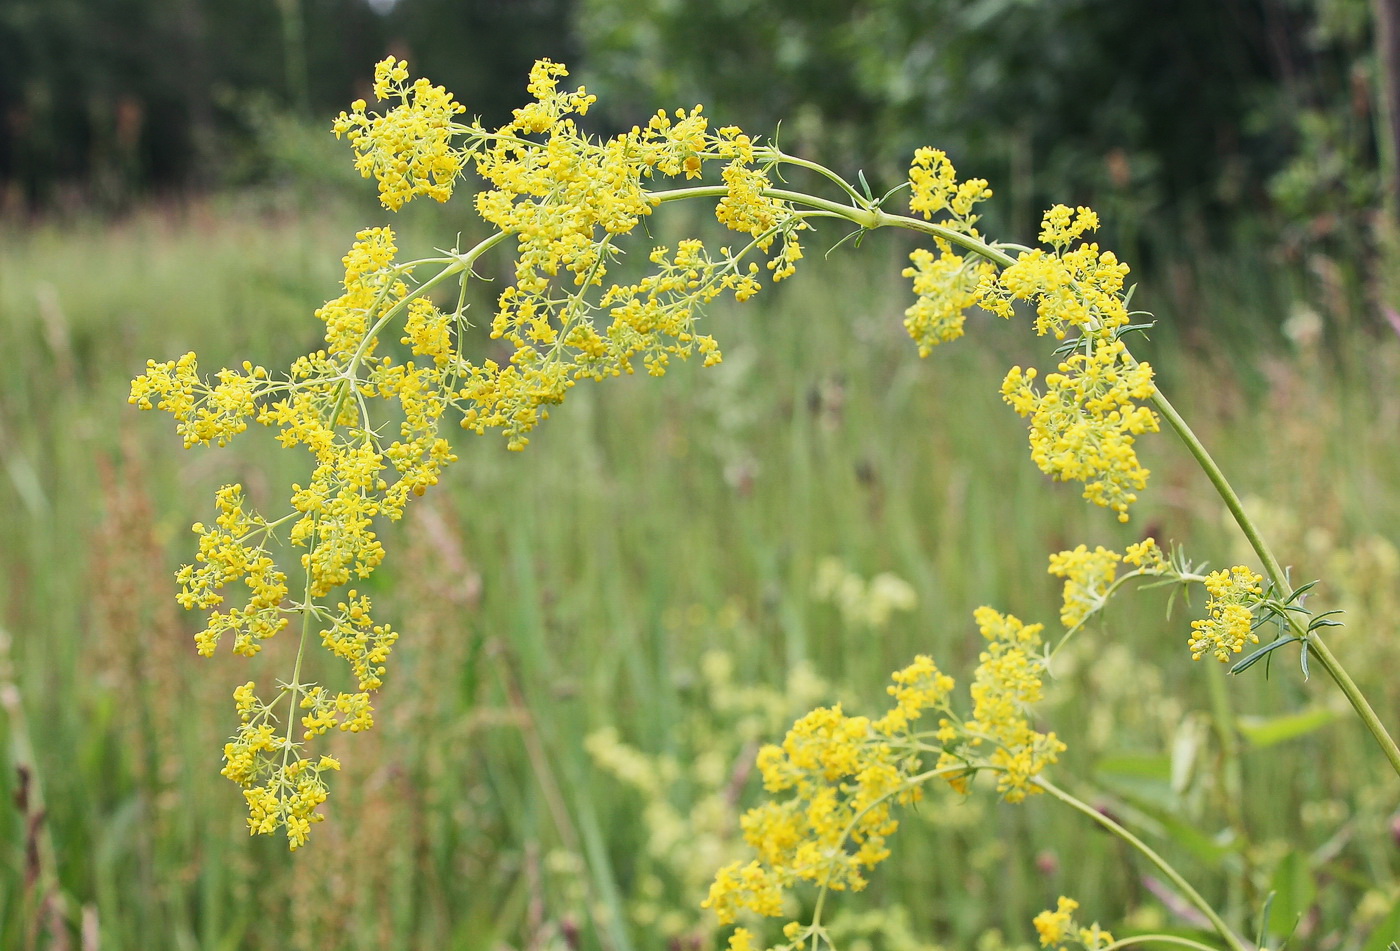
[{"x": 598, "y": 631}]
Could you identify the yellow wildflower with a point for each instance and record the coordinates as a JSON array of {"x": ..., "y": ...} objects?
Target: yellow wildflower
[
  {"x": 741, "y": 940},
  {"x": 946, "y": 285},
  {"x": 1146, "y": 556},
  {"x": 1057, "y": 925},
  {"x": 1229, "y": 623},
  {"x": 1083, "y": 426},
  {"x": 1005, "y": 684},
  {"x": 1080, "y": 288},
  {"x": 1088, "y": 576},
  {"x": 1094, "y": 937},
  {"x": 739, "y": 886},
  {"x": 935, "y": 189},
  {"x": 204, "y": 414},
  {"x": 916, "y": 688},
  {"x": 844, "y": 775},
  {"x": 408, "y": 149}
]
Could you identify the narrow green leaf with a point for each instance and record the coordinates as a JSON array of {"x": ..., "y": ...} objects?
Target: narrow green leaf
[
  {"x": 857, "y": 234},
  {"x": 1242, "y": 665},
  {"x": 1262, "y": 933},
  {"x": 886, "y": 196},
  {"x": 1300, "y": 591}
]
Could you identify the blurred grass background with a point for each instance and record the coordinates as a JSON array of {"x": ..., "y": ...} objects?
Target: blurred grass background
[
  {"x": 599, "y": 630},
  {"x": 580, "y": 585}
]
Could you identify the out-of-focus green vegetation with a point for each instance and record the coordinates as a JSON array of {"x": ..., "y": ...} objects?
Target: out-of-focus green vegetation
[
  {"x": 589, "y": 582},
  {"x": 665, "y": 560}
]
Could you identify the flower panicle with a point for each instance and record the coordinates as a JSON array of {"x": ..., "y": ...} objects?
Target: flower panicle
[
  {"x": 837, "y": 779},
  {"x": 946, "y": 284},
  {"x": 1090, "y": 576},
  {"x": 371, "y": 415},
  {"x": 407, "y": 149},
  {"x": 1085, "y": 422}
]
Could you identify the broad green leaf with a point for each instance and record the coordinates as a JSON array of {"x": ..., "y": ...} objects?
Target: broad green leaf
[
  {"x": 1266, "y": 731},
  {"x": 1154, "y": 819},
  {"x": 1381, "y": 937},
  {"x": 1295, "y": 889}
]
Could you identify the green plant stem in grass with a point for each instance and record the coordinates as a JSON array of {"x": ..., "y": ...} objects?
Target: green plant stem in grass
[
  {"x": 1157, "y": 939},
  {"x": 1231, "y": 787},
  {"x": 1182, "y": 885},
  {"x": 1312, "y": 639}
]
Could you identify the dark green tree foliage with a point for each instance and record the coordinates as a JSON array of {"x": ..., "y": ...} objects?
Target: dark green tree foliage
[
  {"x": 1203, "y": 107},
  {"x": 115, "y": 95},
  {"x": 1131, "y": 104},
  {"x": 484, "y": 54}
]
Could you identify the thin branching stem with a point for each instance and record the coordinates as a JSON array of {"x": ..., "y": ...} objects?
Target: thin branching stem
[{"x": 1187, "y": 891}]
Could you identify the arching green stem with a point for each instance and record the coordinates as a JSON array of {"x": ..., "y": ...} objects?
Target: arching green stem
[
  {"x": 1316, "y": 645},
  {"x": 871, "y": 219},
  {"x": 1158, "y": 939}
]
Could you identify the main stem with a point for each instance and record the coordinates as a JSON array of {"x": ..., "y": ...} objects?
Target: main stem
[{"x": 1316, "y": 644}]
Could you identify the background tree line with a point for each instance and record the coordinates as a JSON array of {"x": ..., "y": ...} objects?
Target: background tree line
[{"x": 1210, "y": 111}]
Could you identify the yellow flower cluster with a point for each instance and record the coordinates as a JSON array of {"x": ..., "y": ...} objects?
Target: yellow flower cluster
[
  {"x": 373, "y": 288},
  {"x": 1079, "y": 288},
  {"x": 360, "y": 473},
  {"x": 1088, "y": 576},
  {"x": 1005, "y": 685},
  {"x": 1230, "y": 618},
  {"x": 1084, "y": 424},
  {"x": 565, "y": 199},
  {"x": 946, "y": 284},
  {"x": 408, "y": 149},
  {"x": 934, "y": 189},
  {"x": 204, "y": 414},
  {"x": 226, "y": 555},
  {"x": 280, "y": 795},
  {"x": 1147, "y": 557},
  {"x": 1055, "y": 927},
  {"x": 843, "y": 774}
]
